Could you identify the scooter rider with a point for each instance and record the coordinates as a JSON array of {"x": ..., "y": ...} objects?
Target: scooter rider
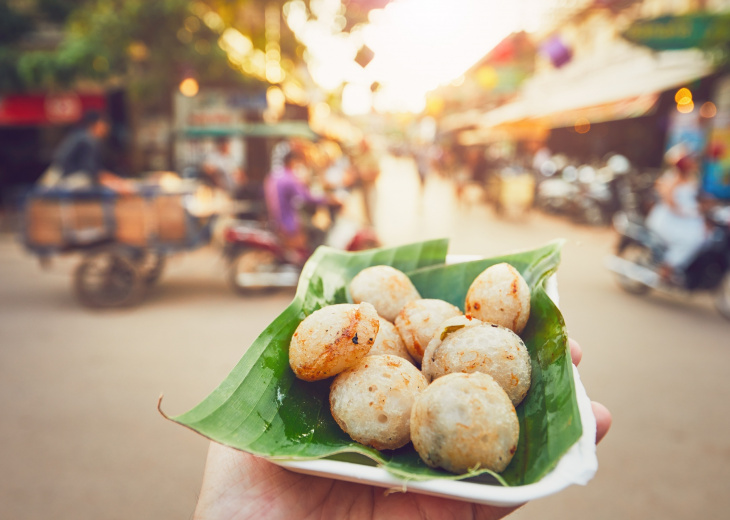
[
  {"x": 285, "y": 193},
  {"x": 676, "y": 217}
]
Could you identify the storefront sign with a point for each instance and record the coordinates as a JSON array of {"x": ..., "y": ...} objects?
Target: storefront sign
[
  {"x": 220, "y": 108},
  {"x": 680, "y": 32},
  {"x": 47, "y": 109}
]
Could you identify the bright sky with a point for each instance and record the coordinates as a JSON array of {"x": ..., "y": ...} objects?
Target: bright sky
[
  {"x": 421, "y": 44},
  {"x": 418, "y": 45}
]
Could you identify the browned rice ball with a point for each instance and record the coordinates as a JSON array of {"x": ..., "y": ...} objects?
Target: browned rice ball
[
  {"x": 418, "y": 321},
  {"x": 481, "y": 347},
  {"x": 388, "y": 341},
  {"x": 465, "y": 421},
  {"x": 372, "y": 401},
  {"x": 332, "y": 339},
  {"x": 500, "y": 295},
  {"x": 385, "y": 287}
]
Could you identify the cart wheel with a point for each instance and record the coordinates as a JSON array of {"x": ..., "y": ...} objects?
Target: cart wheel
[
  {"x": 150, "y": 268},
  {"x": 107, "y": 279}
]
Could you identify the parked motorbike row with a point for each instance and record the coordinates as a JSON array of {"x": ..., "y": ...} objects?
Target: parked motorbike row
[
  {"x": 593, "y": 193},
  {"x": 613, "y": 191}
]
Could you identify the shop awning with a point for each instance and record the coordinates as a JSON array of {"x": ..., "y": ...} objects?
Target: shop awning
[
  {"x": 624, "y": 85},
  {"x": 517, "y": 131},
  {"x": 627, "y": 108}
]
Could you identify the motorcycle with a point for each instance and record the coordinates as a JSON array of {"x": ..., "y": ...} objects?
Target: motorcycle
[
  {"x": 639, "y": 254},
  {"x": 558, "y": 192},
  {"x": 258, "y": 260}
]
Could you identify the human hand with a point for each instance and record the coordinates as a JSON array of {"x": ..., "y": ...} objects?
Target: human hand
[
  {"x": 238, "y": 485},
  {"x": 118, "y": 184}
]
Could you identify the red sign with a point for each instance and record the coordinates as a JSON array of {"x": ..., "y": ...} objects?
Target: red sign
[{"x": 47, "y": 109}]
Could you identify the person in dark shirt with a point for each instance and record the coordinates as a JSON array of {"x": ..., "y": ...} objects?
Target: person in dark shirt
[{"x": 77, "y": 162}]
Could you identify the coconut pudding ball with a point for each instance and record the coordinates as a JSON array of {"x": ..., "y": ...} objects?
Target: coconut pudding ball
[
  {"x": 464, "y": 421},
  {"x": 372, "y": 401},
  {"x": 332, "y": 339},
  {"x": 385, "y": 287},
  {"x": 481, "y": 347},
  {"x": 388, "y": 341},
  {"x": 419, "y": 320},
  {"x": 500, "y": 295}
]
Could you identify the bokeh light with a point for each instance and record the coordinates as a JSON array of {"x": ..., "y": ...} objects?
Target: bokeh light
[
  {"x": 686, "y": 108},
  {"x": 708, "y": 109},
  {"x": 189, "y": 87},
  {"x": 683, "y": 96},
  {"x": 582, "y": 125},
  {"x": 356, "y": 99},
  {"x": 418, "y": 45},
  {"x": 487, "y": 77}
]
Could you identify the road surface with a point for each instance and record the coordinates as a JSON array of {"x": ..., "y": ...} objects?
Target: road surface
[{"x": 80, "y": 435}]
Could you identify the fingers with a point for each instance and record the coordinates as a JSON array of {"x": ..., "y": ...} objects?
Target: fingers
[
  {"x": 603, "y": 420},
  {"x": 603, "y": 416},
  {"x": 575, "y": 351}
]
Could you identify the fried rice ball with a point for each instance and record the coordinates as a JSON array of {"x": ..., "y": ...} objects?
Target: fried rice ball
[
  {"x": 500, "y": 295},
  {"x": 481, "y": 347},
  {"x": 388, "y": 341},
  {"x": 385, "y": 287},
  {"x": 372, "y": 401},
  {"x": 465, "y": 421},
  {"x": 419, "y": 320},
  {"x": 454, "y": 324},
  {"x": 332, "y": 339}
]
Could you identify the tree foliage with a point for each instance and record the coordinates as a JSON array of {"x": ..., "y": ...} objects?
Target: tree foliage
[{"x": 147, "y": 46}]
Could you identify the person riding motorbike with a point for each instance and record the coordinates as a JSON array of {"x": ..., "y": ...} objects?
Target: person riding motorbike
[
  {"x": 285, "y": 193},
  {"x": 676, "y": 218}
]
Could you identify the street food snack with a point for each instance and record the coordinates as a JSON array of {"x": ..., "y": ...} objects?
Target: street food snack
[
  {"x": 478, "y": 371},
  {"x": 332, "y": 339},
  {"x": 480, "y": 347},
  {"x": 500, "y": 295},
  {"x": 372, "y": 401},
  {"x": 462, "y": 422},
  {"x": 385, "y": 287},
  {"x": 388, "y": 341},
  {"x": 418, "y": 321}
]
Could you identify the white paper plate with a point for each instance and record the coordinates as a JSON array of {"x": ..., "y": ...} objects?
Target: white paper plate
[{"x": 577, "y": 466}]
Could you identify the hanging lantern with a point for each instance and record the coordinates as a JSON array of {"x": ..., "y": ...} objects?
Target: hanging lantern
[{"x": 557, "y": 51}]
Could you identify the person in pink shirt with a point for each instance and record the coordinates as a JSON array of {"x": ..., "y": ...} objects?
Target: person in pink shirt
[{"x": 285, "y": 193}]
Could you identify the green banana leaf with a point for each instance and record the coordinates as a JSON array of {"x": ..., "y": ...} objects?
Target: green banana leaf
[{"x": 262, "y": 408}]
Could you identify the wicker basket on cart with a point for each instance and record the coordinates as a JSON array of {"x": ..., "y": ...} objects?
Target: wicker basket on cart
[{"x": 124, "y": 238}]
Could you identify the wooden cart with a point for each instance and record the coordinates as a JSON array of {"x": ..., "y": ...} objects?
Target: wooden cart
[{"x": 123, "y": 239}]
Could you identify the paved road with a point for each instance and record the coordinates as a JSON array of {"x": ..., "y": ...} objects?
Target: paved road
[{"x": 80, "y": 435}]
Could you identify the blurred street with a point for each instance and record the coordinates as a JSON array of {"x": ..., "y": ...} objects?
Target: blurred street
[{"x": 81, "y": 437}]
